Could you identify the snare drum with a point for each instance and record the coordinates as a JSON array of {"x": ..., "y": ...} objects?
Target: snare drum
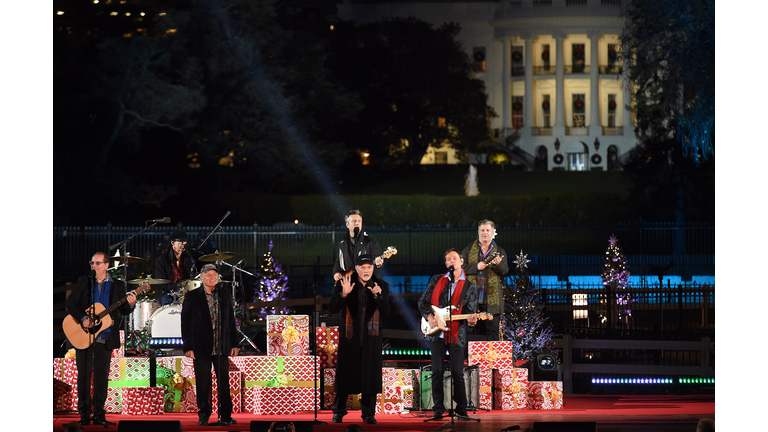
[
  {"x": 142, "y": 313},
  {"x": 166, "y": 322}
]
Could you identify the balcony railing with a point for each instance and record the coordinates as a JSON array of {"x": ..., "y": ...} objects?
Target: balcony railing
[
  {"x": 541, "y": 131},
  {"x": 613, "y": 131},
  {"x": 610, "y": 69},
  {"x": 544, "y": 70},
  {"x": 518, "y": 71},
  {"x": 570, "y": 130},
  {"x": 571, "y": 69}
]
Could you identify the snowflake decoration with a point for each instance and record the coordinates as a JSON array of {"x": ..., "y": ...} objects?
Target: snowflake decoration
[{"x": 522, "y": 260}]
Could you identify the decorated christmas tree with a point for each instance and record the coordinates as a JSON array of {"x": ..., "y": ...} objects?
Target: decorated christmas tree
[
  {"x": 272, "y": 284},
  {"x": 524, "y": 320},
  {"x": 616, "y": 278}
]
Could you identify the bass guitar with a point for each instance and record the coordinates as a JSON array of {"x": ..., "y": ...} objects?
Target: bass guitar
[
  {"x": 444, "y": 314},
  {"x": 82, "y": 337},
  {"x": 391, "y": 250}
]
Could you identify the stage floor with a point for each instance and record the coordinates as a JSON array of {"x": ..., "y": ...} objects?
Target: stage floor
[{"x": 635, "y": 413}]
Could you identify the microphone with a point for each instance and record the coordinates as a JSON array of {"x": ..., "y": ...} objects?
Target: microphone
[
  {"x": 93, "y": 274},
  {"x": 356, "y": 231},
  {"x": 161, "y": 220},
  {"x": 450, "y": 273}
]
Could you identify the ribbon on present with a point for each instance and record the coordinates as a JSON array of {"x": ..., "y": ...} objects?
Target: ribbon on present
[
  {"x": 123, "y": 382},
  {"x": 174, "y": 390},
  {"x": 329, "y": 347},
  {"x": 70, "y": 354},
  {"x": 491, "y": 356},
  {"x": 288, "y": 382}
]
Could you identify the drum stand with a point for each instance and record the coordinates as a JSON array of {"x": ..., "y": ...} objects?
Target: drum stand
[{"x": 235, "y": 285}]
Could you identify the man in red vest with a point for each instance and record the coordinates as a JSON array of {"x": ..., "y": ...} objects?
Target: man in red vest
[{"x": 443, "y": 291}]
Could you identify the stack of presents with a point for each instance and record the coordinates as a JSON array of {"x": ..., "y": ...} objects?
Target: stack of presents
[{"x": 286, "y": 380}]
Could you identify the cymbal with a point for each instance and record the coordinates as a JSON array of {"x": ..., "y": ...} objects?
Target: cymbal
[
  {"x": 150, "y": 281},
  {"x": 221, "y": 256},
  {"x": 129, "y": 259}
]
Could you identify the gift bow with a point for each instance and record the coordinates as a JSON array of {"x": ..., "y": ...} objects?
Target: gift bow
[
  {"x": 290, "y": 336},
  {"x": 491, "y": 356},
  {"x": 70, "y": 354}
]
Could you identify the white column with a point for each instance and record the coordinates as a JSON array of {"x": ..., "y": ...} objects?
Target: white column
[
  {"x": 526, "y": 131},
  {"x": 559, "y": 127},
  {"x": 595, "y": 129}
]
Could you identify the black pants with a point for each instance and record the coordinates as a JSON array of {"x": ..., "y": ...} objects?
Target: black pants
[
  {"x": 93, "y": 360},
  {"x": 204, "y": 383},
  {"x": 457, "y": 372},
  {"x": 367, "y": 404},
  {"x": 491, "y": 326}
]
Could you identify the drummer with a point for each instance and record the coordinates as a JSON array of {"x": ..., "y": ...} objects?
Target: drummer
[{"x": 175, "y": 264}]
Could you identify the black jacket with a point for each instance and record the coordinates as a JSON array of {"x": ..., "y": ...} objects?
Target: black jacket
[
  {"x": 164, "y": 270},
  {"x": 196, "y": 328},
  {"x": 468, "y": 297},
  {"x": 347, "y": 251},
  {"x": 359, "y": 364},
  {"x": 80, "y": 300}
]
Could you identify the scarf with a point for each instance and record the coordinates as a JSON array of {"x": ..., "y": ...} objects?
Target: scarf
[
  {"x": 438, "y": 291},
  {"x": 487, "y": 281}
]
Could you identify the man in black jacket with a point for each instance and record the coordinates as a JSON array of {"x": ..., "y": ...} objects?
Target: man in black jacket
[
  {"x": 209, "y": 335},
  {"x": 364, "y": 300},
  {"x": 100, "y": 288},
  {"x": 443, "y": 291},
  {"x": 174, "y": 264},
  {"x": 355, "y": 243}
]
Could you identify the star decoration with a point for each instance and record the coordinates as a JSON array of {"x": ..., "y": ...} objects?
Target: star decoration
[
  {"x": 613, "y": 240},
  {"x": 522, "y": 260}
]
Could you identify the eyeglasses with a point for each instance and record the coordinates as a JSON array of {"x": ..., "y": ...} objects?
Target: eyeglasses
[{"x": 96, "y": 262}]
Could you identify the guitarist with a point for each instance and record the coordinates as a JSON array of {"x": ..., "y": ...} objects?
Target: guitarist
[
  {"x": 488, "y": 277},
  {"x": 100, "y": 288},
  {"x": 443, "y": 290},
  {"x": 354, "y": 244}
]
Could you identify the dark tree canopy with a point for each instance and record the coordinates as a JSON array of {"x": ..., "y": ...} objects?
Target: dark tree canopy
[
  {"x": 670, "y": 48},
  {"x": 415, "y": 83}
]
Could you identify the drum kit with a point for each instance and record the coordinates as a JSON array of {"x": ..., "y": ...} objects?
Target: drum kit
[{"x": 149, "y": 320}]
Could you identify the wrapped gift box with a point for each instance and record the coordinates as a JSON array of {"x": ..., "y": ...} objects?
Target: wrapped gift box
[
  {"x": 491, "y": 355},
  {"x": 327, "y": 339},
  {"x": 125, "y": 372},
  {"x": 329, "y": 395},
  {"x": 485, "y": 388},
  {"x": 510, "y": 389},
  {"x": 274, "y": 400},
  {"x": 543, "y": 395},
  {"x": 143, "y": 400},
  {"x": 181, "y": 386},
  {"x": 287, "y": 335},
  {"x": 64, "y": 384},
  {"x": 270, "y": 371},
  {"x": 390, "y": 401},
  {"x": 408, "y": 379},
  {"x": 120, "y": 352}
]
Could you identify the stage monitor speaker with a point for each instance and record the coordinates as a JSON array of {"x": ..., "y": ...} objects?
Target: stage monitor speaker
[
  {"x": 546, "y": 367},
  {"x": 282, "y": 426},
  {"x": 564, "y": 426},
  {"x": 149, "y": 426}
]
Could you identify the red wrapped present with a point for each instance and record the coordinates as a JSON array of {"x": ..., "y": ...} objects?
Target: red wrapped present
[
  {"x": 266, "y": 371},
  {"x": 327, "y": 339},
  {"x": 510, "y": 389},
  {"x": 287, "y": 335},
  {"x": 544, "y": 395},
  {"x": 408, "y": 379},
  {"x": 64, "y": 384},
  {"x": 329, "y": 395},
  {"x": 274, "y": 400},
  {"x": 235, "y": 392},
  {"x": 125, "y": 372},
  {"x": 491, "y": 355},
  {"x": 120, "y": 352},
  {"x": 390, "y": 401},
  {"x": 143, "y": 400},
  {"x": 485, "y": 388}
]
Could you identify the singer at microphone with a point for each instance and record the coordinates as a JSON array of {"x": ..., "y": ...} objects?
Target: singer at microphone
[{"x": 364, "y": 300}]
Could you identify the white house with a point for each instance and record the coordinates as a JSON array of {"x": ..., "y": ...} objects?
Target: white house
[{"x": 550, "y": 71}]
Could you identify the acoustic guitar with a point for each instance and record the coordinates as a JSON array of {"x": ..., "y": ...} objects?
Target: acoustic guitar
[{"x": 82, "y": 337}]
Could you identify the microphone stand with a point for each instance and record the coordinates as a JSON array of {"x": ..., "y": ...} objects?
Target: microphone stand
[
  {"x": 313, "y": 347},
  {"x": 235, "y": 284}
]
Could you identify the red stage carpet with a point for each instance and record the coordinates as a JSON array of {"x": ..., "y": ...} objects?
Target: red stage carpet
[{"x": 647, "y": 413}]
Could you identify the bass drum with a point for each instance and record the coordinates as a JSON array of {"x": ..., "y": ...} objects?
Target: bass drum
[
  {"x": 166, "y": 322},
  {"x": 143, "y": 313}
]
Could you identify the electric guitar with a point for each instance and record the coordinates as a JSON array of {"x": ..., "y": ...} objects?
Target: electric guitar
[
  {"x": 391, "y": 250},
  {"x": 443, "y": 314},
  {"x": 82, "y": 337}
]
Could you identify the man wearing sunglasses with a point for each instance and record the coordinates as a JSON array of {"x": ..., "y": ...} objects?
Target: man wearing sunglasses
[
  {"x": 174, "y": 264},
  {"x": 98, "y": 287}
]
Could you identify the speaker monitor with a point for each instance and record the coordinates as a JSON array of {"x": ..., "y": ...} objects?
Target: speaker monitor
[
  {"x": 546, "y": 367},
  {"x": 564, "y": 426},
  {"x": 282, "y": 426},
  {"x": 149, "y": 426}
]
